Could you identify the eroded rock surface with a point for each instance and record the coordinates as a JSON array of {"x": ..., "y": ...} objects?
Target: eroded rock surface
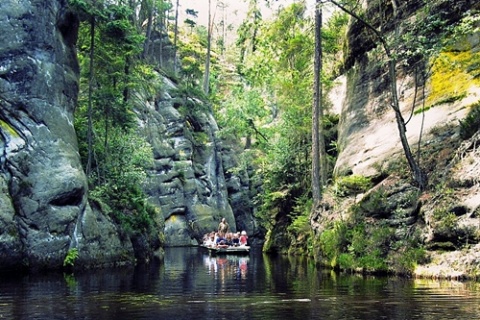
[{"x": 43, "y": 203}]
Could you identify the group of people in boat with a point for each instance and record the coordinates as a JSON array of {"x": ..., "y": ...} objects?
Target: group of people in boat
[{"x": 224, "y": 238}]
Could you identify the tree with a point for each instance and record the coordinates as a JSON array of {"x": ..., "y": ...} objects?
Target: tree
[
  {"x": 90, "y": 12},
  {"x": 206, "y": 80},
  {"x": 223, "y": 24},
  {"x": 318, "y": 141},
  {"x": 191, "y": 22},
  {"x": 175, "y": 38},
  {"x": 418, "y": 174},
  {"x": 109, "y": 49},
  {"x": 148, "y": 7},
  {"x": 276, "y": 61},
  {"x": 248, "y": 30},
  {"x": 91, "y": 69}
]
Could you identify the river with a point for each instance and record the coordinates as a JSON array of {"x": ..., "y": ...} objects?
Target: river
[{"x": 191, "y": 284}]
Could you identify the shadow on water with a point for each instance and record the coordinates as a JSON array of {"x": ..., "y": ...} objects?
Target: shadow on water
[{"x": 192, "y": 284}]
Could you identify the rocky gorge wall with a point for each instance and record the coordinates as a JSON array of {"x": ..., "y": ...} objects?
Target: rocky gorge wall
[
  {"x": 44, "y": 210},
  {"x": 187, "y": 182},
  {"x": 43, "y": 204},
  {"x": 445, "y": 216}
]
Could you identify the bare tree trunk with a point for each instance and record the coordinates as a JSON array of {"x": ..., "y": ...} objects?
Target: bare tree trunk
[
  {"x": 91, "y": 77},
  {"x": 160, "y": 18},
  {"x": 206, "y": 80},
  {"x": 148, "y": 34},
  {"x": 175, "y": 39},
  {"x": 318, "y": 142},
  {"x": 133, "y": 6}
]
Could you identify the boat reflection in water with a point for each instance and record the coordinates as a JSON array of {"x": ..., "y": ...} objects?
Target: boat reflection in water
[{"x": 227, "y": 266}]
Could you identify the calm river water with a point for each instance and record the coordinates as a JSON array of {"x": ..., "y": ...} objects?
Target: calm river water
[{"x": 190, "y": 284}]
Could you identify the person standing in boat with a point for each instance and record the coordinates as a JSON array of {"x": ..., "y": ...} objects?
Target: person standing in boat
[{"x": 223, "y": 228}]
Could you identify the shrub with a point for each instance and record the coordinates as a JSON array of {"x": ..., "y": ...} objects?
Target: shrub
[
  {"x": 350, "y": 185},
  {"x": 445, "y": 219},
  {"x": 301, "y": 214},
  {"x": 408, "y": 259},
  {"x": 346, "y": 261},
  {"x": 333, "y": 242},
  {"x": 70, "y": 258},
  {"x": 373, "y": 261},
  {"x": 349, "y": 248},
  {"x": 469, "y": 126}
]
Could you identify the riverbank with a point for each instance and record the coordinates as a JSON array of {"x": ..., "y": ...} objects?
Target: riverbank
[{"x": 456, "y": 265}]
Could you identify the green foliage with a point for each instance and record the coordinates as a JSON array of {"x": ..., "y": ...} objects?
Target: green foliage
[
  {"x": 70, "y": 280},
  {"x": 424, "y": 39},
  {"x": 468, "y": 25},
  {"x": 200, "y": 139},
  {"x": 121, "y": 171},
  {"x": 333, "y": 243},
  {"x": 192, "y": 53},
  {"x": 353, "y": 184},
  {"x": 345, "y": 261},
  {"x": 300, "y": 217},
  {"x": 374, "y": 204},
  {"x": 269, "y": 107},
  {"x": 408, "y": 259},
  {"x": 333, "y": 42},
  {"x": 127, "y": 207},
  {"x": 121, "y": 157},
  {"x": 357, "y": 246},
  {"x": 242, "y": 114},
  {"x": 283, "y": 111},
  {"x": 471, "y": 124},
  {"x": 70, "y": 258},
  {"x": 299, "y": 229},
  {"x": 445, "y": 220}
]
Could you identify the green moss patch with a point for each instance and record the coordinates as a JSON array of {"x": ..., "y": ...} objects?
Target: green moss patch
[{"x": 454, "y": 73}]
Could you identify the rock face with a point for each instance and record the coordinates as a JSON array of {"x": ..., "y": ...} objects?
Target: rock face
[
  {"x": 444, "y": 217},
  {"x": 242, "y": 187},
  {"x": 43, "y": 204},
  {"x": 187, "y": 182},
  {"x": 368, "y": 133},
  {"x": 44, "y": 211}
]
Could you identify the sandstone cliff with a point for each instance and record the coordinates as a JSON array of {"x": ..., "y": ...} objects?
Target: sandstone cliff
[{"x": 370, "y": 145}]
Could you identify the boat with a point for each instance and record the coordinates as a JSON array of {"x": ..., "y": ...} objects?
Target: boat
[{"x": 228, "y": 249}]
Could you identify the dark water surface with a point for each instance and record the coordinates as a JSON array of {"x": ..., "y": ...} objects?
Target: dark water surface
[{"x": 190, "y": 284}]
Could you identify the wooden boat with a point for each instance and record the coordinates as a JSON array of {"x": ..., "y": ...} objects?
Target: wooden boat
[{"x": 228, "y": 249}]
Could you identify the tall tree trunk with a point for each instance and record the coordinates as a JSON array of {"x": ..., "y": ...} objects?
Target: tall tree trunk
[
  {"x": 126, "y": 89},
  {"x": 224, "y": 30},
  {"x": 161, "y": 15},
  {"x": 148, "y": 35},
  {"x": 206, "y": 80},
  {"x": 175, "y": 39},
  {"x": 88, "y": 169},
  {"x": 418, "y": 174},
  {"x": 133, "y": 5},
  {"x": 318, "y": 141}
]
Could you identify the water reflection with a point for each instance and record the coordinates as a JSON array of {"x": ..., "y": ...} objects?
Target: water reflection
[
  {"x": 224, "y": 266},
  {"x": 191, "y": 284}
]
